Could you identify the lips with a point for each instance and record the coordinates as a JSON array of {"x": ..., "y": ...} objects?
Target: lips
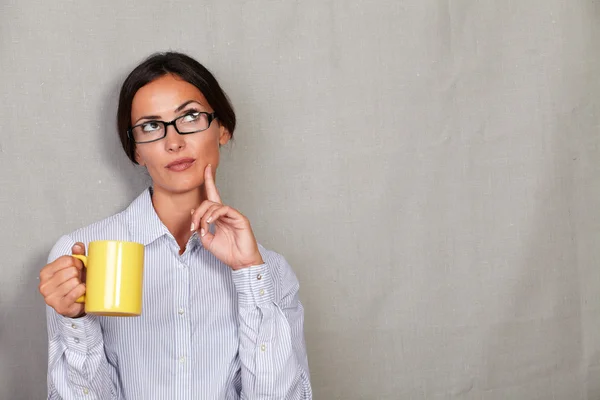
[{"x": 180, "y": 164}]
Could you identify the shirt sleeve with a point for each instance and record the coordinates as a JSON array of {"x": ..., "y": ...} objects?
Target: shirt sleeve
[
  {"x": 271, "y": 328},
  {"x": 77, "y": 364}
]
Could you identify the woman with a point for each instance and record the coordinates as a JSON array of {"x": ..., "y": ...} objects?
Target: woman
[{"x": 222, "y": 318}]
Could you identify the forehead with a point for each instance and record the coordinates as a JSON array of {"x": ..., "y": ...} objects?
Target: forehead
[{"x": 163, "y": 95}]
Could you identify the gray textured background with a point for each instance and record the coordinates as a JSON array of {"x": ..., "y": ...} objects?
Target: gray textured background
[{"x": 429, "y": 168}]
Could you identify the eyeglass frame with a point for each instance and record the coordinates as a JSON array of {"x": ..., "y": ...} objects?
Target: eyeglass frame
[{"x": 211, "y": 117}]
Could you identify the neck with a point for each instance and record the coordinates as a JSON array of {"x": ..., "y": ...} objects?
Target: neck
[{"x": 174, "y": 210}]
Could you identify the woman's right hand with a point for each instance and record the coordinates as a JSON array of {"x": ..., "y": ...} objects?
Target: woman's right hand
[{"x": 62, "y": 282}]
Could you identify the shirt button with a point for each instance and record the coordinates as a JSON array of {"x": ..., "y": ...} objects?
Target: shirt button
[
  {"x": 258, "y": 277},
  {"x": 263, "y": 347},
  {"x": 181, "y": 311},
  {"x": 182, "y": 359},
  {"x": 73, "y": 326},
  {"x": 85, "y": 390},
  {"x": 76, "y": 340},
  {"x": 262, "y": 291}
]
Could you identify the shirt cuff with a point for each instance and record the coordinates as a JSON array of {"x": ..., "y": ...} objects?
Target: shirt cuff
[
  {"x": 254, "y": 285},
  {"x": 81, "y": 334}
]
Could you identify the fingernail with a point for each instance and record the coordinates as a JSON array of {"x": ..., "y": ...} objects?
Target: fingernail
[
  {"x": 192, "y": 228},
  {"x": 208, "y": 220},
  {"x": 202, "y": 232},
  {"x": 77, "y": 247}
]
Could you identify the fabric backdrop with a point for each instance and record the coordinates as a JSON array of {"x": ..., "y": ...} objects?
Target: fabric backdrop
[{"x": 429, "y": 168}]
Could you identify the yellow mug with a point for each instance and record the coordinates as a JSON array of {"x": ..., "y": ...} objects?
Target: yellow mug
[{"x": 114, "y": 278}]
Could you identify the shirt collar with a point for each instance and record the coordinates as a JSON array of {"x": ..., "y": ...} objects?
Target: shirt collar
[{"x": 144, "y": 224}]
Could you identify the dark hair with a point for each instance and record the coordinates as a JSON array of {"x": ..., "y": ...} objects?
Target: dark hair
[{"x": 185, "y": 67}]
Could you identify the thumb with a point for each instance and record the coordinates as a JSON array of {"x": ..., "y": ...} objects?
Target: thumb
[
  {"x": 206, "y": 238},
  {"x": 78, "y": 248}
]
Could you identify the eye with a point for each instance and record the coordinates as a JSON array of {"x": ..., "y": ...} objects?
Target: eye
[
  {"x": 150, "y": 126},
  {"x": 191, "y": 116}
]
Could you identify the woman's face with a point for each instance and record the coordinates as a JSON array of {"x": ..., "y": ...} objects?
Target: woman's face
[{"x": 176, "y": 163}]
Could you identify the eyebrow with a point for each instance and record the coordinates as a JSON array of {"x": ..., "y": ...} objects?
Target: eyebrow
[{"x": 178, "y": 109}]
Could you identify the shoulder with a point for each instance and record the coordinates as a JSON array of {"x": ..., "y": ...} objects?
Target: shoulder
[
  {"x": 111, "y": 228},
  {"x": 115, "y": 227}
]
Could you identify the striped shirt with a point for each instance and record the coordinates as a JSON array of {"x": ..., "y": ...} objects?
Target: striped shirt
[{"x": 206, "y": 332}]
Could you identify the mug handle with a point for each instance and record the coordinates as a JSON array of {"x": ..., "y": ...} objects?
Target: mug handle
[{"x": 84, "y": 260}]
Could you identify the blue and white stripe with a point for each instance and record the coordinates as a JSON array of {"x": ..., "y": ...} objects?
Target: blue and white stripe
[{"x": 206, "y": 332}]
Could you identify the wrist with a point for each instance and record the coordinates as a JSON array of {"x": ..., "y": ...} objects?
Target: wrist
[
  {"x": 254, "y": 286},
  {"x": 255, "y": 261}
]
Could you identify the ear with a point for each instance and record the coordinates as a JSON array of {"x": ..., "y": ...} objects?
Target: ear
[
  {"x": 224, "y": 135},
  {"x": 139, "y": 159}
]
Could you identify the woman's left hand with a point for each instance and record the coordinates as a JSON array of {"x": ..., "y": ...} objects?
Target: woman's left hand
[{"x": 233, "y": 241}]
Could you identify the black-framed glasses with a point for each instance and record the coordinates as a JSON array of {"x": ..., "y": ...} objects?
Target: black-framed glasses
[{"x": 190, "y": 122}]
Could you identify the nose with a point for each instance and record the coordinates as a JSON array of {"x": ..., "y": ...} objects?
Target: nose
[{"x": 174, "y": 142}]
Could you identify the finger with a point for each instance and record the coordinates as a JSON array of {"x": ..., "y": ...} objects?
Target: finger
[
  {"x": 75, "y": 311},
  {"x": 204, "y": 221},
  {"x": 63, "y": 289},
  {"x": 75, "y": 293},
  {"x": 78, "y": 248},
  {"x": 206, "y": 238},
  {"x": 228, "y": 215},
  {"x": 212, "y": 193},
  {"x": 224, "y": 213},
  {"x": 67, "y": 305},
  {"x": 63, "y": 275},
  {"x": 199, "y": 212},
  {"x": 226, "y": 220},
  {"x": 49, "y": 286},
  {"x": 57, "y": 265}
]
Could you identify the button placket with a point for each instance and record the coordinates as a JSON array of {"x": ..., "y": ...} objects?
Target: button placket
[{"x": 183, "y": 328}]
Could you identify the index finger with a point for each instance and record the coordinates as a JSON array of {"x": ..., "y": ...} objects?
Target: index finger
[
  {"x": 212, "y": 193},
  {"x": 59, "y": 264}
]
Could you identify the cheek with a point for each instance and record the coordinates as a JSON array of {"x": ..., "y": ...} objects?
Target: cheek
[
  {"x": 206, "y": 146},
  {"x": 148, "y": 155}
]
